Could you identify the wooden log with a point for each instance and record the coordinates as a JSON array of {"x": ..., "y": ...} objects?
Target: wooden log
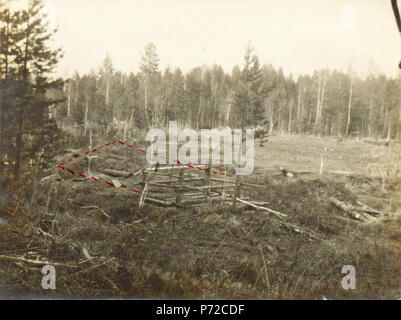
[
  {"x": 286, "y": 173},
  {"x": 242, "y": 183},
  {"x": 200, "y": 188},
  {"x": 116, "y": 183},
  {"x": 182, "y": 167},
  {"x": 173, "y": 181},
  {"x": 200, "y": 196},
  {"x": 144, "y": 190},
  {"x": 236, "y": 192},
  {"x": 37, "y": 262},
  {"x": 349, "y": 209},
  {"x": 367, "y": 209},
  {"x": 171, "y": 175},
  {"x": 53, "y": 177},
  {"x": 213, "y": 187},
  {"x": 158, "y": 201},
  {"x": 206, "y": 182},
  {"x": 346, "y": 209},
  {"x": 223, "y": 180},
  {"x": 196, "y": 201},
  {"x": 192, "y": 194},
  {"x": 344, "y": 173},
  {"x": 136, "y": 173},
  {"x": 300, "y": 230},
  {"x": 252, "y": 185},
  {"x": 172, "y": 186}
]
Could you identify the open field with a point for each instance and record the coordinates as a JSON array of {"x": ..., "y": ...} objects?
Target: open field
[
  {"x": 103, "y": 244},
  {"x": 304, "y": 154}
]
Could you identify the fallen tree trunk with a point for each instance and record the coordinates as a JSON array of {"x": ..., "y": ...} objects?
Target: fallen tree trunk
[
  {"x": 38, "y": 262},
  {"x": 351, "y": 211},
  {"x": 279, "y": 214}
]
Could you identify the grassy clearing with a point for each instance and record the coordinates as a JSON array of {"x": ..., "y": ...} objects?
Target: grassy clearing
[{"x": 214, "y": 251}]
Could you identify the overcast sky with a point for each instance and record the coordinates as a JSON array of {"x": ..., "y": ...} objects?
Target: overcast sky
[{"x": 299, "y": 35}]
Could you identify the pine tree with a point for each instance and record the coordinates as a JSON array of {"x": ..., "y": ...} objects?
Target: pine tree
[
  {"x": 33, "y": 62},
  {"x": 248, "y": 98},
  {"x": 150, "y": 74},
  {"x": 9, "y": 38}
]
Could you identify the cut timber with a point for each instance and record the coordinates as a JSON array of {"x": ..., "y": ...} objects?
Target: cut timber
[
  {"x": 116, "y": 157},
  {"x": 206, "y": 183},
  {"x": 200, "y": 188},
  {"x": 176, "y": 168},
  {"x": 286, "y": 173},
  {"x": 74, "y": 151},
  {"x": 39, "y": 262},
  {"x": 144, "y": 192},
  {"x": 117, "y": 173},
  {"x": 300, "y": 230},
  {"x": 171, "y": 181},
  {"x": 251, "y": 185},
  {"x": 368, "y": 209},
  {"x": 350, "y": 210},
  {"x": 86, "y": 254},
  {"x": 214, "y": 187},
  {"x": 258, "y": 203},
  {"x": 289, "y": 225},
  {"x": 157, "y": 201},
  {"x": 136, "y": 173},
  {"x": 116, "y": 183},
  {"x": 344, "y": 173},
  {"x": 200, "y": 197},
  {"x": 179, "y": 193},
  {"x": 279, "y": 214},
  {"x": 51, "y": 178},
  {"x": 347, "y": 209},
  {"x": 241, "y": 183}
]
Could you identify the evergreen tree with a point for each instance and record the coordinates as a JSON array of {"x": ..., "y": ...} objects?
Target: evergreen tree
[
  {"x": 248, "y": 99},
  {"x": 150, "y": 75},
  {"x": 26, "y": 39}
]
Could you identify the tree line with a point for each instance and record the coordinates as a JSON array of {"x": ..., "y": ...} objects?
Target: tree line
[{"x": 326, "y": 102}]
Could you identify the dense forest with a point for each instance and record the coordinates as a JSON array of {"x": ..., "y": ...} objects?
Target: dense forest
[
  {"x": 328, "y": 102},
  {"x": 110, "y": 102}
]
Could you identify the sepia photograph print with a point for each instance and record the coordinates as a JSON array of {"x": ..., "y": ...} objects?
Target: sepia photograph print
[{"x": 200, "y": 149}]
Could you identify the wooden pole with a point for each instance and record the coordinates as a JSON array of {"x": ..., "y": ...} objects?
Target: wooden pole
[
  {"x": 144, "y": 188},
  {"x": 206, "y": 191},
  {"x": 179, "y": 195},
  {"x": 321, "y": 165},
  {"x": 90, "y": 148},
  {"x": 144, "y": 178},
  {"x": 237, "y": 192}
]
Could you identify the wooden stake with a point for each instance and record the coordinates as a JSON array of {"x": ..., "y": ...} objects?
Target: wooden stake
[
  {"x": 90, "y": 148},
  {"x": 278, "y": 214},
  {"x": 144, "y": 190},
  {"x": 237, "y": 192},
  {"x": 206, "y": 191},
  {"x": 321, "y": 165}
]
